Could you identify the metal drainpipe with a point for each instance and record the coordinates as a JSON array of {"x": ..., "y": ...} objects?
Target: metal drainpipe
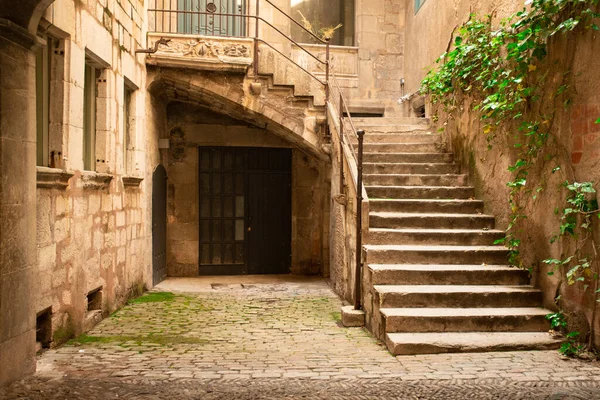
[{"x": 359, "y": 199}]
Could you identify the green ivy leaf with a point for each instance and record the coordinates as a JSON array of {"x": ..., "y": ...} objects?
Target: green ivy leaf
[{"x": 597, "y": 121}]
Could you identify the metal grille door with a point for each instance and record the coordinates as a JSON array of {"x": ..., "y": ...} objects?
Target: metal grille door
[
  {"x": 211, "y": 17},
  {"x": 159, "y": 225}
]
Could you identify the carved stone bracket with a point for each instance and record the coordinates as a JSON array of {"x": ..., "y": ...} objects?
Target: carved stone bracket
[
  {"x": 95, "y": 180},
  {"x": 52, "y": 178},
  {"x": 202, "y": 52},
  {"x": 132, "y": 181}
]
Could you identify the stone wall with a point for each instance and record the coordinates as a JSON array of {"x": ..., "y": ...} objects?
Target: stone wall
[
  {"x": 310, "y": 185},
  {"x": 574, "y": 147},
  {"x": 93, "y": 234}
]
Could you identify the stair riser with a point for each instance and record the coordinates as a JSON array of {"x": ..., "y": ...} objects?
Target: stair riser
[
  {"x": 408, "y": 158},
  {"x": 483, "y": 277},
  {"x": 412, "y": 180},
  {"x": 401, "y": 148},
  {"x": 410, "y": 169},
  {"x": 420, "y": 193},
  {"x": 431, "y": 348},
  {"x": 467, "y": 300},
  {"x": 416, "y": 206},
  {"x": 450, "y": 257},
  {"x": 416, "y": 221},
  {"x": 383, "y": 129},
  {"x": 484, "y": 238},
  {"x": 373, "y": 121},
  {"x": 400, "y": 138},
  {"x": 504, "y": 323}
]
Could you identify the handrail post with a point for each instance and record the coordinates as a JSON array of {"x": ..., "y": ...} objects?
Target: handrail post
[
  {"x": 359, "y": 199},
  {"x": 327, "y": 64},
  {"x": 256, "y": 33},
  {"x": 341, "y": 143}
]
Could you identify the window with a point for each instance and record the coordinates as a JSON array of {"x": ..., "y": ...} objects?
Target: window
[
  {"x": 324, "y": 14},
  {"x": 50, "y": 87},
  {"x": 90, "y": 93},
  {"x": 418, "y": 4},
  {"x": 196, "y": 18},
  {"x": 42, "y": 82},
  {"x": 129, "y": 127}
]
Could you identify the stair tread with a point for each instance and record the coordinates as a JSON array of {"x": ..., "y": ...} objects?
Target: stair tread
[
  {"x": 454, "y": 288},
  {"x": 463, "y": 312},
  {"x": 416, "y": 175},
  {"x": 419, "y": 187},
  {"x": 435, "y": 230},
  {"x": 416, "y": 247},
  {"x": 442, "y": 267},
  {"x": 472, "y": 341},
  {"x": 411, "y": 154},
  {"x": 392, "y": 214},
  {"x": 441, "y": 201}
]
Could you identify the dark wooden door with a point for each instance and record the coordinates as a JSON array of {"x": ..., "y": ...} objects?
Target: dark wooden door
[
  {"x": 268, "y": 233},
  {"x": 159, "y": 225},
  {"x": 245, "y": 210}
]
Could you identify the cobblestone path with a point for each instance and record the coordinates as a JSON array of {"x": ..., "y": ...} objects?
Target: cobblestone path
[{"x": 271, "y": 339}]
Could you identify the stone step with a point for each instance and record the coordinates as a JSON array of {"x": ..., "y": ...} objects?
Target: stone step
[
  {"x": 407, "y": 157},
  {"x": 468, "y": 342},
  {"x": 377, "y": 129},
  {"x": 412, "y": 254},
  {"x": 433, "y": 296},
  {"x": 423, "y": 274},
  {"x": 389, "y": 121},
  {"x": 408, "y": 137},
  {"x": 415, "y": 180},
  {"x": 423, "y": 236},
  {"x": 414, "y": 147},
  {"x": 427, "y": 206},
  {"x": 420, "y": 192},
  {"x": 441, "y": 221},
  {"x": 410, "y": 168},
  {"x": 522, "y": 319}
]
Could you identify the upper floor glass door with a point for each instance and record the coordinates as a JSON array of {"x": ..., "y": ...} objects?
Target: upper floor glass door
[{"x": 212, "y": 17}]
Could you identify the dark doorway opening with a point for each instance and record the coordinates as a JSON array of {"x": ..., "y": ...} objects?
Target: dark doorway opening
[
  {"x": 245, "y": 210},
  {"x": 159, "y": 225}
]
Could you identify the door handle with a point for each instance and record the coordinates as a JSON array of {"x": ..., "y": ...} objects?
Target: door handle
[{"x": 249, "y": 229}]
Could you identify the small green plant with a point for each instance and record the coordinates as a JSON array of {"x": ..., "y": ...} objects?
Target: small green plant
[
  {"x": 571, "y": 348},
  {"x": 557, "y": 321}
]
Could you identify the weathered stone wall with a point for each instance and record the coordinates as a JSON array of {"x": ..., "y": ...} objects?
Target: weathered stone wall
[
  {"x": 94, "y": 234},
  {"x": 310, "y": 185},
  {"x": 574, "y": 146}
]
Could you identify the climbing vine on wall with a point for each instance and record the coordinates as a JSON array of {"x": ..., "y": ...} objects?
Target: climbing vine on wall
[{"x": 505, "y": 73}]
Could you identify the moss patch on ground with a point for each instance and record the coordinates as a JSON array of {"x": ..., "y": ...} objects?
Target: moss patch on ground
[
  {"x": 162, "y": 340},
  {"x": 154, "y": 297}
]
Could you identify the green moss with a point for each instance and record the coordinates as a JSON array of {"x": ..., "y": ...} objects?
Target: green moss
[
  {"x": 63, "y": 332},
  {"x": 154, "y": 297},
  {"x": 120, "y": 340},
  {"x": 337, "y": 316}
]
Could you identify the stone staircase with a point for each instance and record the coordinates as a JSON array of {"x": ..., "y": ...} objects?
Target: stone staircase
[{"x": 435, "y": 281}]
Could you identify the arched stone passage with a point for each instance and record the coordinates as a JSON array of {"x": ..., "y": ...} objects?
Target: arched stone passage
[
  {"x": 25, "y": 13},
  {"x": 228, "y": 95}
]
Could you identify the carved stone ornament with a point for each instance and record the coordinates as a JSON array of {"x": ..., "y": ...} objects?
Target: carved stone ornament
[
  {"x": 52, "y": 178},
  {"x": 203, "y": 53},
  {"x": 132, "y": 181},
  {"x": 95, "y": 180}
]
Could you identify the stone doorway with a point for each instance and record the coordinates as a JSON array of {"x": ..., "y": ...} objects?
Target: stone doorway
[
  {"x": 159, "y": 225},
  {"x": 245, "y": 210}
]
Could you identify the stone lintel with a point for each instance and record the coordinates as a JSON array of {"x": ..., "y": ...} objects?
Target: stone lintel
[
  {"x": 352, "y": 318},
  {"x": 131, "y": 181},
  {"x": 208, "y": 53},
  {"x": 53, "y": 178},
  {"x": 95, "y": 180}
]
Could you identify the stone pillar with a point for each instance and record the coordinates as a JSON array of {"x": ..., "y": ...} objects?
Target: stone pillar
[{"x": 17, "y": 202}]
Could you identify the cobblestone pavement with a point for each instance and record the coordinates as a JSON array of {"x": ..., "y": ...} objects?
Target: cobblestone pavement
[{"x": 266, "y": 339}]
